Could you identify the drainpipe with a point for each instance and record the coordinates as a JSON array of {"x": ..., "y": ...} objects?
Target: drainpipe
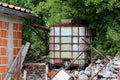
[{"x": 40, "y": 27}]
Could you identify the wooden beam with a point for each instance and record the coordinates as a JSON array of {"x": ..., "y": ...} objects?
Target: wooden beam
[
  {"x": 119, "y": 74},
  {"x": 17, "y": 13},
  {"x": 34, "y": 64}
]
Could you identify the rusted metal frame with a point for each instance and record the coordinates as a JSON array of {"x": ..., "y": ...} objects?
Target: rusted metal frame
[
  {"x": 91, "y": 78},
  {"x": 76, "y": 58},
  {"x": 54, "y": 45},
  {"x": 78, "y": 44},
  {"x": 95, "y": 50},
  {"x": 100, "y": 55},
  {"x": 65, "y": 24},
  {"x": 72, "y": 42},
  {"x": 60, "y": 45}
]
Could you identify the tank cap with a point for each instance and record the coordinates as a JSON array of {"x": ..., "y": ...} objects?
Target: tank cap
[{"x": 66, "y": 21}]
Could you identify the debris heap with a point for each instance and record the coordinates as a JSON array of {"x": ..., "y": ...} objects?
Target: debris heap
[{"x": 110, "y": 72}]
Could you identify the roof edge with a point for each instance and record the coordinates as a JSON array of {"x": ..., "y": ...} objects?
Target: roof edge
[{"x": 17, "y": 13}]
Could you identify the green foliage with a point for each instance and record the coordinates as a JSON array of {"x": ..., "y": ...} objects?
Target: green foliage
[
  {"x": 106, "y": 21},
  {"x": 38, "y": 39},
  {"x": 102, "y": 15}
]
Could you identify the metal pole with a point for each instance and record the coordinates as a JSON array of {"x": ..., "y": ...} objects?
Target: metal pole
[
  {"x": 76, "y": 58},
  {"x": 107, "y": 61}
]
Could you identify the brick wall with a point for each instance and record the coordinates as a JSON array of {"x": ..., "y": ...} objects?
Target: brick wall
[
  {"x": 17, "y": 38},
  {"x": 3, "y": 48},
  {"x": 10, "y": 43}
]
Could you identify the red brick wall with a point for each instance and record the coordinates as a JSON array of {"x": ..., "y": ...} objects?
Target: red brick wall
[
  {"x": 17, "y": 38},
  {"x": 3, "y": 48},
  {"x": 17, "y": 43}
]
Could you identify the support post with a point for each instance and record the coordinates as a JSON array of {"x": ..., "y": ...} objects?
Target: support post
[
  {"x": 119, "y": 74},
  {"x": 46, "y": 72},
  {"x": 24, "y": 75}
]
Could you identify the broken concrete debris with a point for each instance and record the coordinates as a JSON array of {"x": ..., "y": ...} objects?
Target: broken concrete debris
[{"x": 110, "y": 72}]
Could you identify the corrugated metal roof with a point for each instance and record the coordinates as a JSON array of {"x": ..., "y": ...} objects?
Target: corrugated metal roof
[{"x": 15, "y": 7}]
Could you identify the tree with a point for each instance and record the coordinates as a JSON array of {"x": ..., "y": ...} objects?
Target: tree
[{"x": 102, "y": 16}]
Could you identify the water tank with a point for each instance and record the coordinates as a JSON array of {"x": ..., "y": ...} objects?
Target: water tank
[{"x": 66, "y": 42}]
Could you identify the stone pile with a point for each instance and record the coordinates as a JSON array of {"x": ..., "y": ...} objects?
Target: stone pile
[
  {"x": 35, "y": 72},
  {"x": 109, "y": 72}
]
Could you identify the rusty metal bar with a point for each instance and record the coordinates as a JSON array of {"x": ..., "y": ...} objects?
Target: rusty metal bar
[
  {"x": 54, "y": 45},
  {"x": 95, "y": 50},
  {"x": 75, "y": 59},
  {"x": 91, "y": 78},
  {"x": 40, "y": 27},
  {"x": 60, "y": 32}
]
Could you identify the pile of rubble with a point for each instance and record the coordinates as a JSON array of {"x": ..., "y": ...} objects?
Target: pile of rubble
[
  {"x": 35, "y": 72},
  {"x": 109, "y": 72}
]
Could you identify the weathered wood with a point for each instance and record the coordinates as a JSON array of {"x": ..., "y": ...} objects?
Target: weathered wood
[
  {"x": 17, "y": 13},
  {"x": 34, "y": 64},
  {"x": 46, "y": 72},
  {"x": 20, "y": 56},
  {"x": 119, "y": 74},
  {"x": 24, "y": 75},
  {"x": 12, "y": 67},
  {"x": 24, "y": 53}
]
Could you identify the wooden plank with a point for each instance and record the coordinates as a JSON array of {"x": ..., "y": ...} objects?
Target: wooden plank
[
  {"x": 24, "y": 75},
  {"x": 119, "y": 74},
  {"x": 12, "y": 67},
  {"x": 34, "y": 64},
  {"x": 17, "y": 13},
  {"x": 21, "y": 54},
  {"x": 24, "y": 52}
]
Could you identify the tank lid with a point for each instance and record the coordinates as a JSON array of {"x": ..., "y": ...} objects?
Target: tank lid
[
  {"x": 71, "y": 23},
  {"x": 66, "y": 21}
]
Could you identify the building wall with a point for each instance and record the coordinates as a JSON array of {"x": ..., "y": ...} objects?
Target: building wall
[{"x": 10, "y": 41}]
